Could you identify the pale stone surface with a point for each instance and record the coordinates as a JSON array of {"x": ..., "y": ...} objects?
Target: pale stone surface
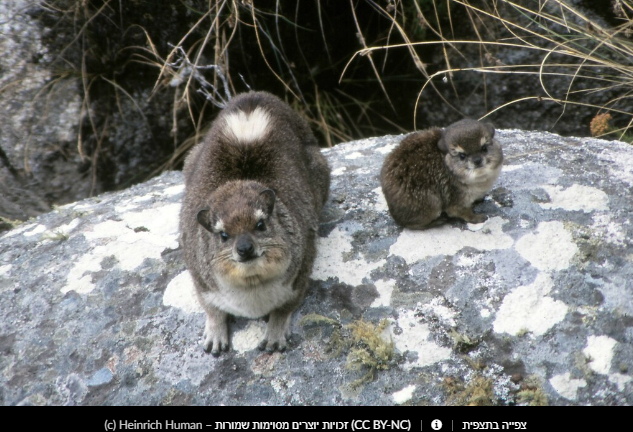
[
  {"x": 528, "y": 308},
  {"x": 180, "y": 293},
  {"x": 566, "y": 386},
  {"x": 403, "y": 395},
  {"x": 96, "y": 300},
  {"x": 599, "y": 351},
  {"x": 549, "y": 248}
]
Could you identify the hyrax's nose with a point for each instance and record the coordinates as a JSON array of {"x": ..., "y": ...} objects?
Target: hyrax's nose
[
  {"x": 245, "y": 248},
  {"x": 477, "y": 160}
]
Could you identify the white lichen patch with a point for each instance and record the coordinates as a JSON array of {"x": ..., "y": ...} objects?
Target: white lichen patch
[
  {"x": 354, "y": 271},
  {"x": 385, "y": 289},
  {"x": 354, "y": 155},
  {"x": 126, "y": 207},
  {"x": 143, "y": 198},
  {"x": 416, "y": 337},
  {"x": 248, "y": 338},
  {"x": 414, "y": 246},
  {"x": 39, "y": 229},
  {"x": 181, "y": 293},
  {"x": 550, "y": 248},
  {"x": 620, "y": 380},
  {"x": 4, "y": 270},
  {"x": 174, "y": 190},
  {"x": 140, "y": 235},
  {"x": 329, "y": 261},
  {"x": 510, "y": 168},
  {"x": 80, "y": 276},
  {"x": 66, "y": 229},
  {"x": 468, "y": 260},
  {"x": 475, "y": 226},
  {"x": 387, "y": 149},
  {"x": 381, "y": 202},
  {"x": 339, "y": 171},
  {"x": 444, "y": 314},
  {"x": 599, "y": 351},
  {"x": 576, "y": 198},
  {"x": 529, "y": 308},
  {"x": 404, "y": 395},
  {"x": 566, "y": 386},
  {"x": 161, "y": 221},
  {"x": 19, "y": 230}
]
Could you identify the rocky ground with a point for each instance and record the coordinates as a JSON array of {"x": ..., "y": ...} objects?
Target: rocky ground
[{"x": 534, "y": 306}]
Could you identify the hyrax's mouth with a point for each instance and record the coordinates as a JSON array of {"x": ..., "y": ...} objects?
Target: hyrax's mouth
[
  {"x": 247, "y": 259},
  {"x": 259, "y": 268}
]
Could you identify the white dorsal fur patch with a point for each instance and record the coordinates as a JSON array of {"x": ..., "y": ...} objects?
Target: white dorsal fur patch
[{"x": 247, "y": 127}]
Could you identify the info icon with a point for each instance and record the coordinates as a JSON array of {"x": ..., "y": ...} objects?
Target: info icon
[{"x": 436, "y": 424}]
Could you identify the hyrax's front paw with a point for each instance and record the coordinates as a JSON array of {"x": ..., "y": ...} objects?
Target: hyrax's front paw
[
  {"x": 216, "y": 337},
  {"x": 466, "y": 214},
  {"x": 276, "y": 332},
  {"x": 273, "y": 345},
  {"x": 477, "y": 218}
]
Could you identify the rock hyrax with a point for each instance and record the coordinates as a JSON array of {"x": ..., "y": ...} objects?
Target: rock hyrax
[
  {"x": 254, "y": 189},
  {"x": 435, "y": 171}
]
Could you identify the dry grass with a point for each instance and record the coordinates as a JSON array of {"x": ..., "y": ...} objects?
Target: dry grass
[
  {"x": 336, "y": 115},
  {"x": 199, "y": 65},
  {"x": 591, "y": 58}
]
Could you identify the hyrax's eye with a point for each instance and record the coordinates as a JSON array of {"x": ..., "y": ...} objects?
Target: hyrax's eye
[
  {"x": 261, "y": 226},
  {"x": 462, "y": 156},
  {"x": 484, "y": 148},
  {"x": 224, "y": 236}
]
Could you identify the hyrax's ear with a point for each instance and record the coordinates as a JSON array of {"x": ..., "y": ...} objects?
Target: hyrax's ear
[
  {"x": 489, "y": 128},
  {"x": 268, "y": 196},
  {"x": 204, "y": 218},
  {"x": 442, "y": 144}
]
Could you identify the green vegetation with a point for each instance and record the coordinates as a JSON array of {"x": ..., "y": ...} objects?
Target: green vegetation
[
  {"x": 369, "y": 346},
  {"x": 8, "y": 224},
  {"x": 372, "y": 349},
  {"x": 55, "y": 236},
  {"x": 462, "y": 343},
  {"x": 531, "y": 393},
  {"x": 476, "y": 392}
]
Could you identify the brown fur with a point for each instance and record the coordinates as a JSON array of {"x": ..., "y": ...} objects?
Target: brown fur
[
  {"x": 250, "y": 215},
  {"x": 436, "y": 171}
]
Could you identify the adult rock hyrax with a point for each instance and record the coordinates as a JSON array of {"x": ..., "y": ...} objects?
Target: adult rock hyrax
[
  {"x": 437, "y": 171},
  {"x": 254, "y": 189}
]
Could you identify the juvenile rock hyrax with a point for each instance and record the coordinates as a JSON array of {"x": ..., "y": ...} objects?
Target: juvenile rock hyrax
[
  {"x": 254, "y": 189},
  {"x": 437, "y": 171}
]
